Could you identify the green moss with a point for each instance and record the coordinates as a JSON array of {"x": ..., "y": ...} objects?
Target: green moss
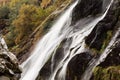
[
  {"x": 109, "y": 73},
  {"x": 104, "y": 44},
  {"x": 106, "y": 41},
  {"x": 94, "y": 50}
]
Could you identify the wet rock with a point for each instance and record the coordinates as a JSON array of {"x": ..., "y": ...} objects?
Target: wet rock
[
  {"x": 77, "y": 66},
  {"x": 113, "y": 59},
  {"x": 99, "y": 34},
  {"x": 9, "y": 68},
  {"x": 52, "y": 63},
  {"x": 86, "y": 8},
  {"x": 109, "y": 69}
]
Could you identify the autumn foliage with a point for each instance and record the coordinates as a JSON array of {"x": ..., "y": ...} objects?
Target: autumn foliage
[{"x": 26, "y": 22}]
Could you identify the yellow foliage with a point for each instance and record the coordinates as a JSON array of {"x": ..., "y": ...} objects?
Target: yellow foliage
[
  {"x": 25, "y": 17},
  {"x": 27, "y": 20}
]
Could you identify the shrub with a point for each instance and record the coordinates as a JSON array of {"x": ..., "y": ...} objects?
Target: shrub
[
  {"x": 26, "y": 22},
  {"x": 4, "y": 12}
]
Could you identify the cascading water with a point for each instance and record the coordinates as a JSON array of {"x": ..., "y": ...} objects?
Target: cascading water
[
  {"x": 77, "y": 45},
  {"x": 46, "y": 47},
  {"x": 97, "y": 61}
]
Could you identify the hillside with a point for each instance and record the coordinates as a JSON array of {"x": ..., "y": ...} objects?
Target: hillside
[
  {"x": 60, "y": 40},
  {"x": 20, "y": 19}
]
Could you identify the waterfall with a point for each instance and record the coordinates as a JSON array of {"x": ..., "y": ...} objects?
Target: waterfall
[
  {"x": 77, "y": 45},
  {"x": 97, "y": 61},
  {"x": 47, "y": 46}
]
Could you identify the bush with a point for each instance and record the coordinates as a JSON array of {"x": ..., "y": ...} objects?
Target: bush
[
  {"x": 4, "y": 12},
  {"x": 28, "y": 19},
  {"x": 9, "y": 38}
]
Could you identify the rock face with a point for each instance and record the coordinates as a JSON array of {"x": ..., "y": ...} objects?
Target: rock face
[
  {"x": 113, "y": 59},
  {"x": 79, "y": 64},
  {"x": 9, "y": 69},
  {"x": 109, "y": 69},
  {"x": 86, "y": 8},
  {"x": 102, "y": 30},
  {"x": 98, "y": 40}
]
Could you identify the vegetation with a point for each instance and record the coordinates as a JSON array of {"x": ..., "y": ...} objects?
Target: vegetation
[
  {"x": 109, "y": 73},
  {"x": 107, "y": 40},
  {"x": 29, "y": 17},
  {"x": 4, "y": 12},
  {"x": 21, "y": 18}
]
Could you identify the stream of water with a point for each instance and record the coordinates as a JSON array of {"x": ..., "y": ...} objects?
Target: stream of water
[{"x": 46, "y": 47}]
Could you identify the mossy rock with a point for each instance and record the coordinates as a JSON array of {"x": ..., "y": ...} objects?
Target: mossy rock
[{"x": 109, "y": 73}]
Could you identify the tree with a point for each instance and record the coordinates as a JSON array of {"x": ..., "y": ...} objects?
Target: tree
[{"x": 26, "y": 22}]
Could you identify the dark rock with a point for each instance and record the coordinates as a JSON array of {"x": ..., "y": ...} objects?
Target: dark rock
[
  {"x": 113, "y": 59},
  {"x": 77, "y": 66},
  {"x": 99, "y": 33},
  {"x": 86, "y": 8},
  {"x": 53, "y": 61},
  {"x": 96, "y": 40}
]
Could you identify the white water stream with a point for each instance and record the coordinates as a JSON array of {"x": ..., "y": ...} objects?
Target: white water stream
[
  {"x": 97, "y": 61},
  {"x": 49, "y": 43},
  {"x": 46, "y": 46}
]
